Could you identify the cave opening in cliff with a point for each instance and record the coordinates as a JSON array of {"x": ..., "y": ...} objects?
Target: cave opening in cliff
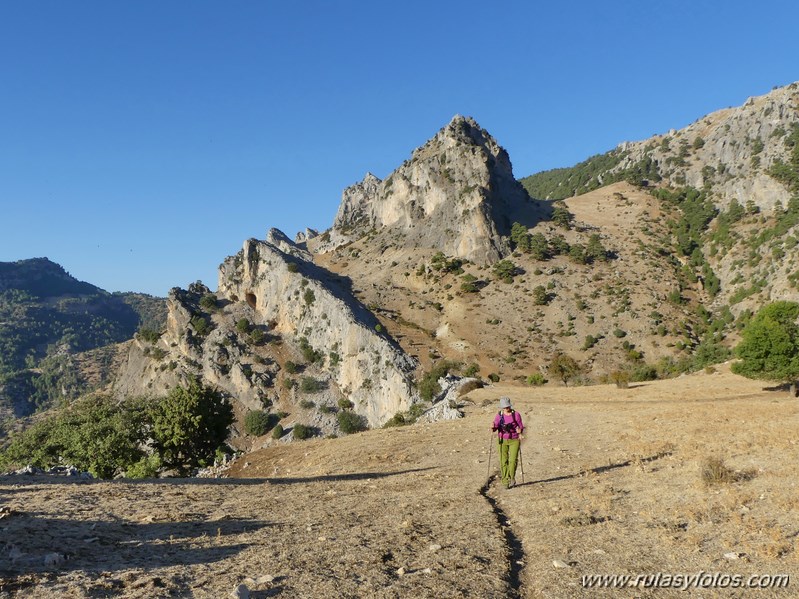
[{"x": 250, "y": 297}]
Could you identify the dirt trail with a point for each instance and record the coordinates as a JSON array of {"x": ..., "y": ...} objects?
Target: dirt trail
[{"x": 611, "y": 486}]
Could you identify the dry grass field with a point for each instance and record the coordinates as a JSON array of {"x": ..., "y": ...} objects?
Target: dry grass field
[{"x": 685, "y": 476}]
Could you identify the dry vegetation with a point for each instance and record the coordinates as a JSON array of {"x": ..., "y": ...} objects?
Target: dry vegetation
[
  {"x": 614, "y": 483},
  {"x": 431, "y": 317}
]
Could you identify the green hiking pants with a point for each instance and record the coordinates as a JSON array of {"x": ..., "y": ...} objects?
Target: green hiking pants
[{"x": 508, "y": 450}]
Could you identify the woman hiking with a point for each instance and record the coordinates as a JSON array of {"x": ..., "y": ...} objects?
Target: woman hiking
[{"x": 509, "y": 427}]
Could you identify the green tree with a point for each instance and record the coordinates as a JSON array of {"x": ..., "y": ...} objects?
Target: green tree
[
  {"x": 595, "y": 250},
  {"x": 189, "y": 424},
  {"x": 561, "y": 216},
  {"x": 539, "y": 247},
  {"x": 93, "y": 434},
  {"x": 769, "y": 348},
  {"x": 520, "y": 237},
  {"x": 505, "y": 270}
]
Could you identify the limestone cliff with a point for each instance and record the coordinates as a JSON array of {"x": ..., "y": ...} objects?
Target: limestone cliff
[
  {"x": 456, "y": 193},
  {"x": 730, "y": 151},
  {"x": 276, "y": 312}
]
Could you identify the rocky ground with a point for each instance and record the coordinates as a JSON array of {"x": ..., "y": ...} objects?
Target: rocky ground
[{"x": 612, "y": 485}]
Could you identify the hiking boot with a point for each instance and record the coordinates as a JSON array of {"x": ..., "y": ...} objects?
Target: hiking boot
[{"x": 512, "y": 483}]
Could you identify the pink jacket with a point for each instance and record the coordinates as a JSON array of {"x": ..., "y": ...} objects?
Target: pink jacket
[{"x": 510, "y": 426}]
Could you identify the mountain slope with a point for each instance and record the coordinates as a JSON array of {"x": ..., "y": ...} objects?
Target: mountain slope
[
  {"x": 744, "y": 162},
  {"x": 46, "y": 318}
]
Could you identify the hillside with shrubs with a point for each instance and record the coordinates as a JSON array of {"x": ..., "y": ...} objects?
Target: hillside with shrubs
[{"x": 643, "y": 263}]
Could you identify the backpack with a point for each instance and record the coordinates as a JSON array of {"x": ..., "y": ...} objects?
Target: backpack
[{"x": 513, "y": 421}]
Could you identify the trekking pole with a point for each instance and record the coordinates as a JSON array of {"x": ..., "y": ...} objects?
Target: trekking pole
[
  {"x": 490, "y": 444},
  {"x": 521, "y": 461}
]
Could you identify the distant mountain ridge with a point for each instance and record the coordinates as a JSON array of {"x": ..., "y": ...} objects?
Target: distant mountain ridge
[{"x": 46, "y": 317}]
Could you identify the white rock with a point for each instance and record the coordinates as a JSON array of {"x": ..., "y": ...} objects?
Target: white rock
[
  {"x": 560, "y": 564},
  {"x": 241, "y": 592},
  {"x": 401, "y": 572},
  {"x": 732, "y": 555},
  {"x": 434, "y": 548}
]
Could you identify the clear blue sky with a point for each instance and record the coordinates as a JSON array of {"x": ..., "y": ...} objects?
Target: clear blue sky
[{"x": 142, "y": 142}]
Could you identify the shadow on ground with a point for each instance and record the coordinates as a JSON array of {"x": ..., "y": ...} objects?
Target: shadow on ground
[
  {"x": 598, "y": 469},
  {"x": 116, "y": 545}
]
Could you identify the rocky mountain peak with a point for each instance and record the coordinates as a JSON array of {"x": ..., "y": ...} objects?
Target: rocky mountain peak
[{"x": 456, "y": 194}]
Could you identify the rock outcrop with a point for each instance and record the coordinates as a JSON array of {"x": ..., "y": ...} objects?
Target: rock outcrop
[
  {"x": 274, "y": 307},
  {"x": 730, "y": 151},
  {"x": 457, "y": 194}
]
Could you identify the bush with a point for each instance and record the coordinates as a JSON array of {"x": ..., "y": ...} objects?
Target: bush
[
  {"x": 397, "y": 419},
  {"x": 714, "y": 471},
  {"x": 345, "y": 404},
  {"x": 208, "y": 302},
  {"x": 307, "y": 404},
  {"x": 350, "y": 422},
  {"x": 277, "y": 432},
  {"x": 243, "y": 325},
  {"x": 493, "y": 377},
  {"x": 536, "y": 379},
  {"x": 428, "y": 386},
  {"x": 146, "y": 467},
  {"x": 308, "y": 352},
  {"x": 621, "y": 378},
  {"x": 291, "y": 367},
  {"x": 644, "y": 372},
  {"x": 257, "y": 423},
  {"x": 472, "y": 369},
  {"x": 201, "y": 325},
  {"x": 311, "y": 385},
  {"x": 301, "y": 431},
  {"x": 149, "y": 335}
]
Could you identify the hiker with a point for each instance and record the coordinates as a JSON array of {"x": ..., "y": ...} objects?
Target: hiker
[{"x": 509, "y": 427}]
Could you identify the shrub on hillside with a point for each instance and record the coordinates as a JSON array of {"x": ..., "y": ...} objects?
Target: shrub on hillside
[
  {"x": 350, "y": 422},
  {"x": 208, "y": 302},
  {"x": 536, "y": 379},
  {"x": 302, "y": 431},
  {"x": 621, "y": 378},
  {"x": 257, "y": 423},
  {"x": 428, "y": 385}
]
